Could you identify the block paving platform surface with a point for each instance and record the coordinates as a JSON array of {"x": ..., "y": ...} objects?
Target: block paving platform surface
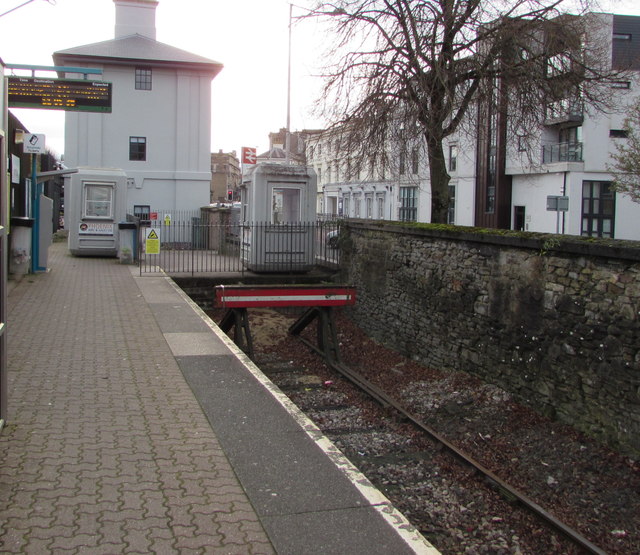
[{"x": 136, "y": 426}]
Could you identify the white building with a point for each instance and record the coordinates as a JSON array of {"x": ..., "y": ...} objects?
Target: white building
[
  {"x": 159, "y": 130},
  {"x": 575, "y": 152},
  {"x": 569, "y": 165}
]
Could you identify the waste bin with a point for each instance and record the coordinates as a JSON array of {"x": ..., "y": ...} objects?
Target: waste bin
[
  {"x": 20, "y": 249},
  {"x": 127, "y": 242}
]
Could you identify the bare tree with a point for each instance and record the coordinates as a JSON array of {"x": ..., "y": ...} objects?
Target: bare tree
[
  {"x": 626, "y": 160},
  {"x": 409, "y": 69}
]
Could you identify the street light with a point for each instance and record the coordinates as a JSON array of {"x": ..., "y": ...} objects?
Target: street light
[
  {"x": 52, "y": 2},
  {"x": 311, "y": 13},
  {"x": 287, "y": 140}
]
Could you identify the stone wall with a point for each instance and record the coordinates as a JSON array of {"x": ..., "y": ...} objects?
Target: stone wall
[{"x": 554, "y": 320}]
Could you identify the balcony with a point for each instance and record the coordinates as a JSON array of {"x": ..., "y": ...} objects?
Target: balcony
[
  {"x": 562, "y": 152},
  {"x": 564, "y": 111}
]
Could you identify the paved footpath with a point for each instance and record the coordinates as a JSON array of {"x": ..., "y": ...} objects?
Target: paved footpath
[
  {"x": 136, "y": 426},
  {"x": 106, "y": 450}
]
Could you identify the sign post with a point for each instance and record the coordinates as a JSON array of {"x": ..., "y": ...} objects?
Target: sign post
[
  {"x": 34, "y": 144},
  {"x": 557, "y": 204},
  {"x": 152, "y": 241}
]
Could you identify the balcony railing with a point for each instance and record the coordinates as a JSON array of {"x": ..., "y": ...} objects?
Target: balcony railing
[
  {"x": 562, "y": 152},
  {"x": 564, "y": 111}
]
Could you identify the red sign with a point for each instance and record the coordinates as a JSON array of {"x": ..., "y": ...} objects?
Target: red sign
[
  {"x": 249, "y": 296},
  {"x": 249, "y": 155}
]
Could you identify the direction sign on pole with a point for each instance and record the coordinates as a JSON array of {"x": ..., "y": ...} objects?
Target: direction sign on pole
[{"x": 33, "y": 143}]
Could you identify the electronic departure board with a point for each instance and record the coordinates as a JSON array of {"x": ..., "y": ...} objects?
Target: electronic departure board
[{"x": 59, "y": 94}]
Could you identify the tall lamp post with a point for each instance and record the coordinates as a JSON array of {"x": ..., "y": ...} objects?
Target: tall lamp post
[
  {"x": 287, "y": 140},
  {"x": 52, "y": 2},
  {"x": 311, "y": 13}
]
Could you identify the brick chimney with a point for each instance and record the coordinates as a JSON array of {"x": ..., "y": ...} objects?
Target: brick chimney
[{"x": 135, "y": 17}]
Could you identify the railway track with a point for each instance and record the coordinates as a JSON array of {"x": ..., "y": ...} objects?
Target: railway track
[
  {"x": 456, "y": 503},
  {"x": 512, "y": 494}
]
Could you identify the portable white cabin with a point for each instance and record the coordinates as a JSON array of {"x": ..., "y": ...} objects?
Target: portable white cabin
[
  {"x": 95, "y": 202},
  {"x": 279, "y": 216}
]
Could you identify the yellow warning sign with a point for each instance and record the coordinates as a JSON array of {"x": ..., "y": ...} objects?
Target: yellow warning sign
[{"x": 152, "y": 243}]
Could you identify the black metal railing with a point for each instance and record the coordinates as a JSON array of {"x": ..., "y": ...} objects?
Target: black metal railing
[{"x": 196, "y": 245}]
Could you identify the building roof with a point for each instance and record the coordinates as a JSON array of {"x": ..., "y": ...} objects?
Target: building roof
[{"x": 135, "y": 49}]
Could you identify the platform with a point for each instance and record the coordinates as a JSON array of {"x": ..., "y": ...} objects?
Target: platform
[{"x": 136, "y": 425}]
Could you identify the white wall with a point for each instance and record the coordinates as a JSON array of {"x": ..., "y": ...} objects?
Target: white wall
[{"x": 174, "y": 117}]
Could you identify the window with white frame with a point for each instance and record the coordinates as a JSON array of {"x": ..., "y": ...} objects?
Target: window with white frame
[
  {"x": 415, "y": 161},
  {"x": 380, "y": 206},
  {"x": 451, "y": 213},
  {"x": 453, "y": 157},
  {"x": 98, "y": 200},
  {"x": 368, "y": 201},
  {"x": 402, "y": 162},
  {"x": 408, "y": 204}
]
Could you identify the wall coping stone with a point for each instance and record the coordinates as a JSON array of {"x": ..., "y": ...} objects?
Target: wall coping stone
[{"x": 544, "y": 243}]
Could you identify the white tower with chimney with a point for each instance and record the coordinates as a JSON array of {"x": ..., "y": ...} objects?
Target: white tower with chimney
[
  {"x": 136, "y": 17},
  {"x": 159, "y": 129}
]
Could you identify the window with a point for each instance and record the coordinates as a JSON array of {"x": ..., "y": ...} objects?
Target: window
[
  {"x": 570, "y": 135},
  {"x": 403, "y": 162},
  {"x": 408, "y": 204},
  {"x": 356, "y": 205},
  {"x": 98, "y": 200},
  {"x": 558, "y": 64},
  {"x": 451, "y": 214},
  {"x": 345, "y": 205},
  {"x": 138, "y": 148},
  {"x": 142, "y": 211},
  {"x": 453, "y": 157},
  {"x": 380, "y": 203},
  {"x": 621, "y": 84},
  {"x": 285, "y": 205},
  {"x": 368, "y": 200},
  {"x": 618, "y": 133},
  {"x": 522, "y": 143},
  {"x": 598, "y": 209},
  {"x": 143, "y": 79},
  {"x": 414, "y": 161},
  {"x": 490, "y": 196}
]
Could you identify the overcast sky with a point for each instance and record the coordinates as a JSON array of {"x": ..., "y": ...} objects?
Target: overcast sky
[{"x": 249, "y": 37}]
